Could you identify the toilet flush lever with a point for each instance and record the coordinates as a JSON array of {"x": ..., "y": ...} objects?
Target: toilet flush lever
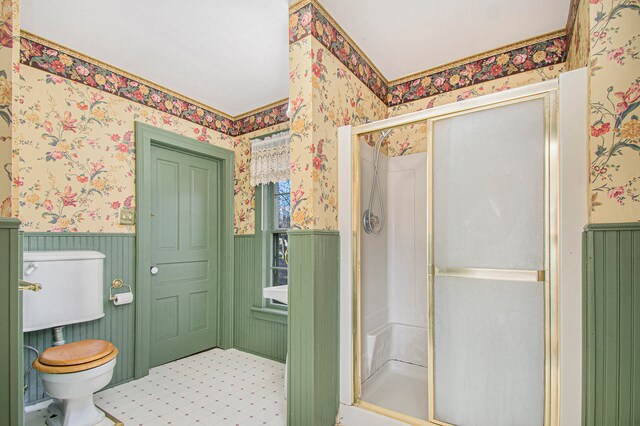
[
  {"x": 153, "y": 270},
  {"x": 32, "y": 267}
]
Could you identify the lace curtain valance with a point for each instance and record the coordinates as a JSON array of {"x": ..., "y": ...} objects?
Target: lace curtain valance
[{"x": 270, "y": 159}]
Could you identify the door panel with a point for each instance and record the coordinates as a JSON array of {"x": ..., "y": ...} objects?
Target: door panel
[
  {"x": 199, "y": 208},
  {"x": 198, "y": 310},
  {"x": 167, "y": 318},
  {"x": 185, "y": 226},
  {"x": 168, "y": 218},
  {"x": 489, "y": 188},
  {"x": 489, "y": 342},
  {"x": 488, "y": 293}
]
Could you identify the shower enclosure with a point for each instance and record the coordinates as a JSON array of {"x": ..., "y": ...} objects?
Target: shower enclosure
[{"x": 453, "y": 225}]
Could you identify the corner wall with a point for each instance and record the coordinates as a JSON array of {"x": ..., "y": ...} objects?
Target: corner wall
[
  {"x": 614, "y": 98},
  {"x": 9, "y": 58},
  {"x": 604, "y": 38}
]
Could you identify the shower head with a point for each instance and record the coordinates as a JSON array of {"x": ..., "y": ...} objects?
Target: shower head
[
  {"x": 383, "y": 136},
  {"x": 385, "y": 133},
  {"x": 373, "y": 224}
]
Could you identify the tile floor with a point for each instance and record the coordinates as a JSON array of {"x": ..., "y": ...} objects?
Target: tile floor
[{"x": 213, "y": 388}]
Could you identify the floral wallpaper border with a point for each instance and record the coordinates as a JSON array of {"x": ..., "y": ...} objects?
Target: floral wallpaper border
[
  {"x": 261, "y": 119},
  {"x": 539, "y": 54},
  {"x": 308, "y": 18},
  {"x": 311, "y": 20},
  {"x": 60, "y": 62}
]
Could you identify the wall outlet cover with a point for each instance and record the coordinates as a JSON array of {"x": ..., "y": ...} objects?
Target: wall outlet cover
[{"x": 127, "y": 216}]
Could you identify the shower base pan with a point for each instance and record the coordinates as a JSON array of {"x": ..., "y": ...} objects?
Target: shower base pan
[{"x": 400, "y": 387}]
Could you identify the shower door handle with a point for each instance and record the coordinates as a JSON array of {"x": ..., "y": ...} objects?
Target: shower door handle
[{"x": 27, "y": 286}]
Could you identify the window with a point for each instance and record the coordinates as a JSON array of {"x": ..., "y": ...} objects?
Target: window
[{"x": 276, "y": 222}]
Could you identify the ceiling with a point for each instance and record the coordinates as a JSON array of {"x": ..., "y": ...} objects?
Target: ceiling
[{"x": 233, "y": 55}]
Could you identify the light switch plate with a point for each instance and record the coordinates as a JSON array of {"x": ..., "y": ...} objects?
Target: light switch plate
[{"x": 127, "y": 216}]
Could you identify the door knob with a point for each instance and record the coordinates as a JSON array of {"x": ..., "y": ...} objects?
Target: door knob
[
  {"x": 153, "y": 270},
  {"x": 25, "y": 285}
]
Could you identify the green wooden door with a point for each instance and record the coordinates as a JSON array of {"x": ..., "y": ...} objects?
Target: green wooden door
[{"x": 184, "y": 249}]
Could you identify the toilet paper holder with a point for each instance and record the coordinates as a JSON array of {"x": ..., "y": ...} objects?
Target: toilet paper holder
[{"x": 115, "y": 284}]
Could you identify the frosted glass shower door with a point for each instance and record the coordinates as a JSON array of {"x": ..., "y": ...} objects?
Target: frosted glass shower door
[{"x": 488, "y": 290}]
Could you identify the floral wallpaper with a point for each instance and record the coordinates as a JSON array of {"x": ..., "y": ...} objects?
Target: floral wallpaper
[
  {"x": 614, "y": 146},
  {"x": 578, "y": 36},
  {"x": 301, "y": 157},
  {"x": 325, "y": 95},
  {"x": 8, "y": 21},
  {"x": 76, "y": 152}
]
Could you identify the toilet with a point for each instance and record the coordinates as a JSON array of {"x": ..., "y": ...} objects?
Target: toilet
[
  {"x": 72, "y": 292},
  {"x": 71, "y": 373}
]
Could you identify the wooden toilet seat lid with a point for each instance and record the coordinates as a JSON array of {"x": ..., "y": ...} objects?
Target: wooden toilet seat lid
[
  {"x": 63, "y": 369},
  {"x": 76, "y": 353}
]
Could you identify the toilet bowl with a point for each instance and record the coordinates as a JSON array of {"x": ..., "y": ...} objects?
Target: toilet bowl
[{"x": 71, "y": 374}]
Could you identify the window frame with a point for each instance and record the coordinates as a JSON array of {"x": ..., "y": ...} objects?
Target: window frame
[{"x": 269, "y": 229}]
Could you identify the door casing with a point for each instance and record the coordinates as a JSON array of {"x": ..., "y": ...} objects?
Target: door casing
[{"x": 146, "y": 137}]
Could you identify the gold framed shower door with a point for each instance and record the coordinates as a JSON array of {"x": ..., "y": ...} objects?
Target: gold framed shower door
[{"x": 548, "y": 277}]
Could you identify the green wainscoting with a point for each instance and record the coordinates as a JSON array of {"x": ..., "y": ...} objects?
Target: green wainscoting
[
  {"x": 611, "y": 325},
  {"x": 256, "y": 331},
  {"x": 11, "y": 400},
  {"x": 313, "y": 327},
  {"x": 118, "y": 324}
]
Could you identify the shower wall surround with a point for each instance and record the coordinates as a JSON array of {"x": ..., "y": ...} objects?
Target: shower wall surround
[{"x": 394, "y": 301}]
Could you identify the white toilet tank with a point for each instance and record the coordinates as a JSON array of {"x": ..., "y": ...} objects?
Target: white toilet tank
[{"x": 72, "y": 288}]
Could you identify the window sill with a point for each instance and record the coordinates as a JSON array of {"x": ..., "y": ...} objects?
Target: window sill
[{"x": 273, "y": 315}]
